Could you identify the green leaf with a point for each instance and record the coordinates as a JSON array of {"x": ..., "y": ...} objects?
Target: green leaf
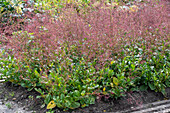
[
  {"x": 115, "y": 81},
  {"x": 23, "y": 84},
  {"x": 47, "y": 99},
  {"x": 59, "y": 105},
  {"x": 152, "y": 87},
  {"x": 92, "y": 100},
  {"x": 167, "y": 83},
  {"x": 36, "y": 73},
  {"x": 75, "y": 105},
  {"x": 76, "y": 93},
  {"x": 38, "y": 97},
  {"x": 82, "y": 101},
  {"x": 163, "y": 92},
  {"x": 62, "y": 96},
  {"x": 30, "y": 89},
  {"x": 143, "y": 88},
  {"x": 83, "y": 93},
  {"x": 68, "y": 103}
]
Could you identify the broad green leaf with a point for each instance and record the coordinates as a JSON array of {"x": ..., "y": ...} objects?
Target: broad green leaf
[
  {"x": 115, "y": 81},
  {"x": 23, "y": 84},
  {"x": 68, "y": 103},
  {"x": 83, "y": 93},
  {"x": 36, "y": 73},
  {"x": 75, "y": 105},
  {"x": 163, "y": 92},
  {"x": 167, "y": 83},
  {"x": 151, "y": 86},
  {"x": 143, "y": 88},
  {"x": 92, "y": 100},
  {"x": 62, "y": 96}
]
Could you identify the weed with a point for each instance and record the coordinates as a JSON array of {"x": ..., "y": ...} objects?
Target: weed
[
  {"x": 6, "y": 98},
  {"x": 9, "y": 105},
  {"x": 12, "y": 94},
  {"x": 31, "y": 97}
]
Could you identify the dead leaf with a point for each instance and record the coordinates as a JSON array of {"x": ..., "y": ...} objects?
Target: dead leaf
[{"x": 51, "y": 105}]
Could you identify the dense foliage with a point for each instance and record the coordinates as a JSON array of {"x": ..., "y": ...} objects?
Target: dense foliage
[{"x": 84, "y": 53}]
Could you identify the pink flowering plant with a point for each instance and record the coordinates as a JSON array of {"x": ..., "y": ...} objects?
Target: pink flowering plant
[{"x": 100, "y": 51}]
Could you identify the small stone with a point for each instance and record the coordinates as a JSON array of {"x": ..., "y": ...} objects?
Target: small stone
[{"x": 14, "y": 99}]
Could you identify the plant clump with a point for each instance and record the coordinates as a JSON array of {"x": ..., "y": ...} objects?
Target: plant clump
[{"x": 81, "y": 56}]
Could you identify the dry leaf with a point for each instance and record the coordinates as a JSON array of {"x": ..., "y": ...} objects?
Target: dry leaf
[{"x": 51, "y": 105}]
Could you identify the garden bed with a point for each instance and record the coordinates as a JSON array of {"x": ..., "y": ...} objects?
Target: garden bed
[
  {"x": 27, "y": 100},
  {"x": 82, "y": 54}
]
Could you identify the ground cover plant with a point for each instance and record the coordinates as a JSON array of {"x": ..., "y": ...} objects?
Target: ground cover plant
[{"x": 101, "y": 51}]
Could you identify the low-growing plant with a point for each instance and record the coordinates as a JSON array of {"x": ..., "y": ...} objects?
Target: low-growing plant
[
  {"x": 8, "y": 105},
  {"x": 12, "y": 94},
  {"x": 76, "y": 58}
]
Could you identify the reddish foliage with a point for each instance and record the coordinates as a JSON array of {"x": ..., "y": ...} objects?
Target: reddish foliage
[{"x": 97, "y": 34}]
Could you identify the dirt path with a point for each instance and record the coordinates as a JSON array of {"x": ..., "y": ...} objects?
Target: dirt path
[
  {"x": 15, "y": 99},
  {"x": 11, "y": 107}
]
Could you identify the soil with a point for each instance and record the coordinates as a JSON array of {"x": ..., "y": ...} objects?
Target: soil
[{"x": 15, "y": 98}]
